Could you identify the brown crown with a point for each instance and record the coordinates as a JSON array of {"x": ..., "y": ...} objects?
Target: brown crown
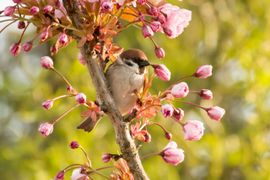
[{"x": 134, "y": 54}]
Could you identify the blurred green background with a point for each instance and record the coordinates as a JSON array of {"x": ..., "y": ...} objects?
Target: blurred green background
[{"x": 232, "y": 35}]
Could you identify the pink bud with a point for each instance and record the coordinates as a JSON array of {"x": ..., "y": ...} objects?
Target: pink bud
[
  {"x": 160, "y": 53},
  {"x": 17, "y": 1},
  {"x": 147, "y": 31},
  {"x": 206, "y": 94},
  {"x": 27, "y": 46},
  {"x": 21, "y": 25},
  {"x": 46, "y": 62},
  {"x": 180, "y": 90},
  {"x": 167, "y": 110},
  {"x": 215, "y": 113},
  {"x": 9, "y": 10},
  {"x": 47, "y": 104},
  {"x": 44, "y": 35},
  {"x": 77, "y": 174},
  {"x": 60, "y": 175},
  {"x": 106, "y": 157},
  {"x": 162, "y": 72},
  {"x": 168, "y": 135},
  {"x": 106, "y": 6},
  {"x": 45, "y": 129},
  {"x": 193, "y": 130},
  {"x": 15, "y": 49},
  {"x": 81, "y": 59},
  {"x": 203, "y": 71},
  {"x": 178, "y": 114},
  {"x": 153, "y": 11},
  {"x": 142, "y": 2},
  {"x": 172, "y": 155},
  {"x": 155, "y": 26},
  {"x": 34, "y": 10},
  {"x": 74, "y": 145},
  {"x": 80, "y": 98},
  {"x": 48, "y": 9},
  {"x": 63, "y": 39}
]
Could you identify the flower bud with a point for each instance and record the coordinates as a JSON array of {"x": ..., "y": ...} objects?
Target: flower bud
[
  {"x": 47, "y": 104},
  {"x": 141, "y": 2},
  {"x": 47, "y": 9},
  {"x": 107, "y": 157},
  {"x": 63, "y": 39},
  {"x": 77, "y": 174},
  {"x": 27, "y": 46},
  {"x": 215, "y": 113},
  {"x": 193, "y": 130},
  {"x": 44, "y": 35},
  {"x": 45, "y": 129},
  {"x": 21, "y": 25},
  {"x": 74, "y": 145},
  {"x": 46, "y": 62},
  {"x": 172, "y": 155},
  {"x": 153, "y": 11},
  {"x": 15, "y": 49},
  {"x": 180, "y": 90},
  {"x": 60, "y": 175},
  {"x": 168, "y": 135},
  {"x": 17, "y": 1},
  {"x": 206, "y": 94},
  {"x": 155, "y": 26},
  {"x": 9, "y": 10},
  {"x": 81, "y": 98},
  {"x": 162, "y": 72},
  {"x": 34, "y": 10},
  {"x": 167, "y": 110},
  {"x": 106, "y": 6},
  {"x": 147, "y": 31},
  {"x": 160, "y": 53},
  {"x": 178, "y": 114},
  {"x": 203, "y": 71}
]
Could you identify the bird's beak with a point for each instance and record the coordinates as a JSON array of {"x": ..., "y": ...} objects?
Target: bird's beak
[{"x": 143, "y": 63}]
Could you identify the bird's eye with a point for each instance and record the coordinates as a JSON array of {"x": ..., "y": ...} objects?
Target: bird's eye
[{"x": 129, "y": 63}]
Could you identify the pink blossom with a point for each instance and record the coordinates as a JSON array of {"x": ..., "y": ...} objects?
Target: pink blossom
[
  {"x": 106, "y": 6},
  {"x": 106, "y": 157},
  {"x": 215, "y": 113},
  {"x": 21, "y": 25},
  {"x": 15, "y": 49},
  {"x": 78, "y": 175},
  {"x": 178, "y": 114},
  {"x": 176, "y": 19},
  {"x": 9, "y": 10},
  {"x": 44, "y": 35},
  {"x": 172, "y": 155},
  {"x": 48, "y": 9},
  {"x": 46, "y": 62},
  {"x": 167, "y": 110},
  {"x": 162, "y": 72},
  {"x": 206, "y": 94},
  {"x": 193, "y": 130},
  {"x": 153, "y": 11},
  {"x": 155, "y": 26},
  {"x": 203, "y": 71},
  {"x": 168, "y": 135},
  {"x": 180, "y": 90},
  {"x": 27, "y": 46},
  {"x": 80, "y": 98},
  {"x": 60, "y": 175},
  {"x": 45, "y": 129},
  {"x": 142, "y": 2},
  {"x": 47, "y": 104},
  {"x": 74, "y": 145},
  {"x": 34, "y": 10},
  {"x": 147, "y": 31},
  {"x": 81, "y": 59},
  {"x": 63, "y": 39},
  {"x": 160, "y": 53}
]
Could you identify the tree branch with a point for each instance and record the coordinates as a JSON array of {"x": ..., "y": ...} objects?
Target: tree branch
[{"x": 123, "y": 137}]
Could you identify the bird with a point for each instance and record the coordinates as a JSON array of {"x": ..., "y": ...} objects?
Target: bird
[{"x": 125, "y": 79}]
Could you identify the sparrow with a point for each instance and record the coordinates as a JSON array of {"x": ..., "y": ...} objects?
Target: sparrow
[{"x": 125, "y": 79}]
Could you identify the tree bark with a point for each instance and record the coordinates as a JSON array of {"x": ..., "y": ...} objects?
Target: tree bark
[{"x": 123, "y": 138}]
